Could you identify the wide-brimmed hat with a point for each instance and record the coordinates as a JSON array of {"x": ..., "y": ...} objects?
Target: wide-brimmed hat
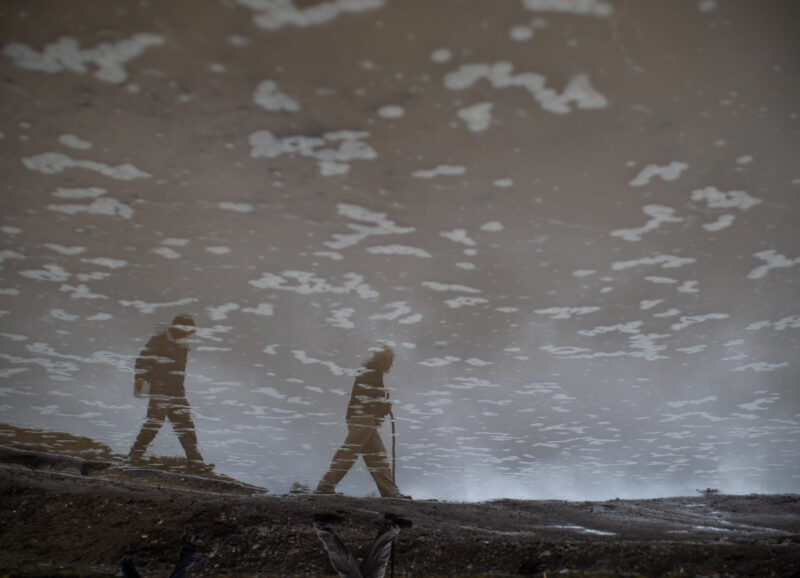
[
  {"x": 182, "y": 326},
  {"x": 382, "y": 359}
]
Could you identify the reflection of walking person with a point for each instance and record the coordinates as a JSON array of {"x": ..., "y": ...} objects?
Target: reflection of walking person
[
  {"x": 369, "y": 405},
  {"x": 160, "y": 370}
]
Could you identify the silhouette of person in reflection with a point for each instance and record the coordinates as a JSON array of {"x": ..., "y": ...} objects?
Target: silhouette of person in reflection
[
  {"x": 369, "y": 405},
  {"x": 160, "y": 370}
]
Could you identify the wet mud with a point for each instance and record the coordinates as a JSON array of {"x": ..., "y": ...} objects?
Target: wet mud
[{"x": 68, "y": 515}]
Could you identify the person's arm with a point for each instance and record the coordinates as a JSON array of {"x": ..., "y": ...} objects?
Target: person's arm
[
  {"x": 381, "y": 405},
  {"x": 142, "y": 369},
  {"x": 141, "y": 387},
  {"x": 387, "y": 403}
]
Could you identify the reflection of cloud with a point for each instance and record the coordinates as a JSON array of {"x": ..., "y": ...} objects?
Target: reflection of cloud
[
  {"x": 342, "y": 318},
  {"x": 51, "y": 163},
  {"x": 55, "y": 410},
  {"x": 64, "y": 54},
  {"x": 391, "y": 111},
  {"x": 578, "y": 90},
  {"x": 441, "y": 170},
  {"x": 80, "y": 292},
  {"x": 263, "y": 309},
  {"x": 565, "y": 312},
  {"x": 445, "y": 287},
  {"x": 470, "y": 383},
  {"x": 148, "y": 308},
  {"x": 381, "y": 226},
  {"x": 669, "y": 172},
  {"x": 102, "y": 206},
  {"x": 343, "y": 147},
  {"x": 492, "y": 226},
  {"x": 458, "y": 236},
  {"x": 268, "y": 96},
  {"x": 48, "y": 273},
  {"x": 57, "y": 370},
  {"x": 236, "y": 207},
  {"x": 63, "y": 315},
  {"x": 89, "y": 192},
  {"x": 640, "y": 346},
  {"x": 400, "y": 311},
  {"x": 583, "y": 7},
  {"x": 441, "y": 55},
  {"x": 8, "y": 372},
  {"x": 668, "y": 313},
  {"x": 116, "y": 360},
  {"x": 660, "y": 280},
  {"x": 308, "y": 284},
  {"x": 478, "y": 117},
  {"x": 462, "y": 301},
  {"x": 439, "y": 361},
  {"x": 166, "y": 252},
  {"x": 305, "y": 359},
  {"x": 220, "y": 313},
  {"x": 8, "y": 254},
  {"x": 757, "y": 405},
  {"x": 722, "y": 222},
  {"x": 666, "y": 262},
  {"x": 717, "y": 199},
  {"x": 761, "y": 366},
  {"x": 399, "y": 250},
  {"x": 706, "y": 399},
  {"x": 630, "y": 327},
  {"x": 271, "y": 392},
  {"x": 74, "y": 142},
  {"x": 774, "y": 260},
  {"x": 272, "y": 15},
  {"x": 693, "y": 319},
  {"x": 65, "y": 250},
  {"x": 106, "y": 262},
  {"x": 210, "y": 333},
  {"x": 659, "y": 215},
  {"x": 790, "y": 322}
]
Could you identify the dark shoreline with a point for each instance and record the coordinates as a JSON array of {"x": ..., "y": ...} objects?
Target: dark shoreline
[{"x": 72, "y": 514}]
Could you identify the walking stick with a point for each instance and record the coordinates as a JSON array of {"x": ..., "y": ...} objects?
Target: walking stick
[
  {"x": 394, "y": 449},
  {"x": 394, "y": 472}
]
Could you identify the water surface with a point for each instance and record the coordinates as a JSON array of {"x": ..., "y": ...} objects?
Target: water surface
[{"x": 574, "y": 222}]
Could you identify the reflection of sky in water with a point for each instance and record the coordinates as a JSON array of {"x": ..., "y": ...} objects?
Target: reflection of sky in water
[{"x": 578, "y": 234}]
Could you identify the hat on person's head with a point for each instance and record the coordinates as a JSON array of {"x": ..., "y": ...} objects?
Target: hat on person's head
[
  {"x": 182, "y": 326},
  {"x": 382, "y": 359}
]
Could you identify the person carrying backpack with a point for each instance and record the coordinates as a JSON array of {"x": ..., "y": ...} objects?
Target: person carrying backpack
[{"x": 159, "y": 372}]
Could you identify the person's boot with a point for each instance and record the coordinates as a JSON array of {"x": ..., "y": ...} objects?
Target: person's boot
[
  {"x": 136, "y": 456},
  {"x": 325, "y": 489}
]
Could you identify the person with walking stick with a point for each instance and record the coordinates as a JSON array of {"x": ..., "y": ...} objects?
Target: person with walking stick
[{"x": 369, "y": 405}]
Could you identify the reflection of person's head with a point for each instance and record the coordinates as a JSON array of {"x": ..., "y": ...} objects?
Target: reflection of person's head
[
  {"x": 381, "y": 360},
  {"x": 182, "y": 327}
]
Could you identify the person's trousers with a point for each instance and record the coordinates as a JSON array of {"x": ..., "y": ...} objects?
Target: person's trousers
[
  {"x": 364, "y": 441},
  {"x": 178, "y": 411}
]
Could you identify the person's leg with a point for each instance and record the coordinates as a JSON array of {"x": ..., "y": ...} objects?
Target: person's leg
[
  {"x": 344, "y": 458},
  {"x": 374, "y": 454},
  {"x": 156, "y": 412},
  {"x": 179, "y": 414}
]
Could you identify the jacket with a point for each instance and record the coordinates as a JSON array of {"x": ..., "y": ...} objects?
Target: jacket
[
  {"x": 162, "y": 363},
  {"x": 369, "y": 399}
]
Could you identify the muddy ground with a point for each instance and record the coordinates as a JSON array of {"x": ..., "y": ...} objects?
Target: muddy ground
[{"x": 63, "y": 513}]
